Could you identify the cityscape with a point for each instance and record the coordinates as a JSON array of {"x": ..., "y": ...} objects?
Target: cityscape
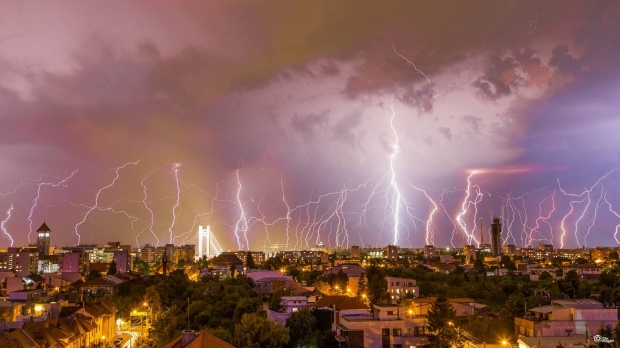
[{"x": 310, "y": 174}]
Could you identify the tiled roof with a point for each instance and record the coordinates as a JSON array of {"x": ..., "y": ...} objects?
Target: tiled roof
[
  {"x": 44, "y": 228},
  {"x": 340, "y": 302},
  {"x": 202, "y": 340},
  {"x": 578, "y": 304}
]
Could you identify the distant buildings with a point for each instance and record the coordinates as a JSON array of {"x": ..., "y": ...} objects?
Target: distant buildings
[
  {"x": 257, "y": 256},
  {"x": 391, "y": 252},
  {"x": 470, "y": 253},
  {"x": 399, "y": 288},
  {"x": 429, "y": 252},
  {"x": 509, "y": 249},
  {"x": 355, "y": 252}
]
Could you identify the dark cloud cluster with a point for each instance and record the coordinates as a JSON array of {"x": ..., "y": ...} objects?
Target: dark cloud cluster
[{"x": 206, "y": 102}]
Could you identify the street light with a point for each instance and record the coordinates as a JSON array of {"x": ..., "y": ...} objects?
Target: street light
[
  {"x": 506, "y": 343},
  {"x": 149, "y": 322}
]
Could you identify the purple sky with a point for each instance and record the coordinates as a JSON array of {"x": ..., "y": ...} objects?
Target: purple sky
[{"x": 341, "y": 111}]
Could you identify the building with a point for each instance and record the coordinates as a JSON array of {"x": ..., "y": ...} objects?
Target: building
[
  {"x": 585, "y": 271},
  {"x": 429, "y": 252},
  {"x": 307, "y": 256},
  {"x": 572, "y": 254},
  {"x": 387, "y": 326},
  {"x": 496, "y": 237},
  {"x": 565, "y": 318},
  {"x": 485, "y": 248},
  {"x": 602, "y": 253},
  {"x": 20, "y": 260},
  {"x": 391, "y": 252},
  {"x": 43, "y": 239},
  {"x": 510, "y": 249},
  {"x": 470, "y": 253},
  {"x": 399, "y": 288},
  {"x": 228, "y": 260},
  {"x": 187, "y": 252},
  {"x": 123, "y": 260},
  {"x": 195, "y": 339},
  {"x": 257, "y": 256},
  {"x": 355, "y": 252},
  {"x": 464, "y": 307},
  {"x": 70, "y": 262}
]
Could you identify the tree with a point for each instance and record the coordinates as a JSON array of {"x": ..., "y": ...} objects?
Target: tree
[
  {"x": 249, "y": 261},
  {"x": 362, "y": 288},
  {"x": 112, "y": 269},
  {"x": 510, "y": 310},
  {"x": 604, "y": 332},
  {"x": 94, "y": 274},
  {"x": 614, "y": 255},
  {"x": 255, "y": 331},
  {"x": 301, "y": 326},
  {"x": 581, "y": 261},
  {"x": 377, "y": 286},
  {"x": 616, "y": 335},
  {"x": 571, "y": 275},
  {"x": 441, "y": 325},
  {"x": 479, "y": 266},
  {"x": 275, "y": 301},
  {"x": 545, "y": 275},
  {"x": 483, "y": 328}
]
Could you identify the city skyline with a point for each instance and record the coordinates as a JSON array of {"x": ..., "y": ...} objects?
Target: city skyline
[{"x": 283, "y": 123}]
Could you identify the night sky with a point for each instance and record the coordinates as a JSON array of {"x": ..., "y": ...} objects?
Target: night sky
[{"x": 345, "y": 122}]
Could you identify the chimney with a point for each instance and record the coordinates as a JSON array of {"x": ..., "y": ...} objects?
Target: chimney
[{"x": 187, "y": 336}]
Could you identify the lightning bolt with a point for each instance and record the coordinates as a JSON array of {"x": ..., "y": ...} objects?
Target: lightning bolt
[
  {"x": 96, "y": 205},
  {"x": 593, "y": 220},
  {"x": 543, "y": 219},
  {"x": 174, "y": 209},
  {"x": 413, "y": 65},
  {"x": 2, "y": 225},
  {"x": 572, "y": 208},
  {"x": 586, "y": 192},
  {"x": 465, "y": 206},
  {"x": 430, "y": 234},
  {"x": 146, "y": 206},
  {"x": 397, "y": 197},
  {"x": 616, "y": 214},
  {"x": 242, "y": 223},
  {"x": 35, "y": 201}
]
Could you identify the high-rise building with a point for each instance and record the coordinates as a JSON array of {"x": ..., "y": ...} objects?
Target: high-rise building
[
  {"x": 355, "y": 252},
  {"x": 496, "y": 237},
  {"x": 43, "y": 239},
  {"x": 391, "y": 252},
  {"x": 23, "y": 261},
  {"x": 429, "y": 251}
]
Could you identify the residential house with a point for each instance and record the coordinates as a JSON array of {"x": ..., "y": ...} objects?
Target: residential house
[{"x": 565, "y": 318}]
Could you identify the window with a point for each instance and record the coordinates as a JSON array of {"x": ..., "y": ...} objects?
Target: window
[
  {"x": 295, "y": 309},
  {"x": 398, "y": 346},
  {"x": 397, "y": 332},
  {"x": 392, "y": 312},
  {"x": 385, "y": 332}
]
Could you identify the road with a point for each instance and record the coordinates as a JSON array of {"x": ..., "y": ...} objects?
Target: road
[{"x": 129, "y": 338}]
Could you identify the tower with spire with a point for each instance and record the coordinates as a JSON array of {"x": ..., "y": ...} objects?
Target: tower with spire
[{"x": 43, "y": 239}]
